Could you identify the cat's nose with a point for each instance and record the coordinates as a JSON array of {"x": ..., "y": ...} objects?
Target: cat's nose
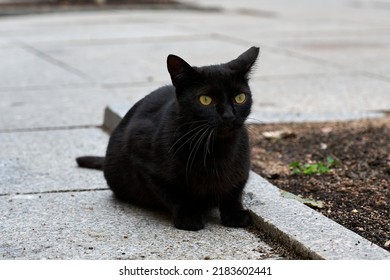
[{"x": 228, "y": 116}]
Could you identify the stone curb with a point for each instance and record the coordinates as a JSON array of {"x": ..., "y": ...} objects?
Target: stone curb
[{"x": 289, "y": 222}]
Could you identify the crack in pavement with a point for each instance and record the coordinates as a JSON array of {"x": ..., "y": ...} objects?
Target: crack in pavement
[{"x": 55, "y": 191}]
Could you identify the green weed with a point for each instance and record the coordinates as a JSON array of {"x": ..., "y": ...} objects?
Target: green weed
[{"x": 316, "y": 168}]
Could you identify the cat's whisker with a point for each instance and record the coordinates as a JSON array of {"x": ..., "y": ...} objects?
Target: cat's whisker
[
  {"x": 187, "y": 133},
  {"x": 194, "y": 122},
  {"x": 206, "y": 149},
  {"x": 210, "y": 145},
  {"x": 198, "y": 141},
  {"x": 196, "y": 131},
  {"x": 194, "y": 138},
  {"x": 194, "y": 151},
  {"x": 213, "y": 141},
  {"x": 250, "y": 129},
  {"x": 257, "y": 120},
  {"x": 190, "y": 124},
  {"x": 209, "y": 141}
]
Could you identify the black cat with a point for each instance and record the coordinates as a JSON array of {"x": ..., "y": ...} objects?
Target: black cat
[{"x": 184, "y": 147}]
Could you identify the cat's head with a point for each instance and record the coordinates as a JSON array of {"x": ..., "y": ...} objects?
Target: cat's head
[{"x": 218, "y": 94}]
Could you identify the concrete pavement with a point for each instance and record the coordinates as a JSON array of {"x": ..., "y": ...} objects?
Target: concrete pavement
[{"x": 58, "y": 72}]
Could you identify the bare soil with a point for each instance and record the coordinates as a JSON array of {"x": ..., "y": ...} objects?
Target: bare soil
[
  {"x": 49, "y": 6},
  {"x": 356, "y": 192}
]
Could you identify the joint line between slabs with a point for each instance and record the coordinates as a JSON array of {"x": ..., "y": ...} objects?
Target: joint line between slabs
[
  {"x": 53, "y": 61},
  {"x": 57, "y": 191}
]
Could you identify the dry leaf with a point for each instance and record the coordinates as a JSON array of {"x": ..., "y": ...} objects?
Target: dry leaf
[{"x": 278, "y": 134}]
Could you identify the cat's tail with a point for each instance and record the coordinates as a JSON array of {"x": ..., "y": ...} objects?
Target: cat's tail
[{"x": 91, "y": 162}]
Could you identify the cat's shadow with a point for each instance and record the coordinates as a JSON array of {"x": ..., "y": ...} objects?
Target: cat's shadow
[{"x": 156, "y": 216}]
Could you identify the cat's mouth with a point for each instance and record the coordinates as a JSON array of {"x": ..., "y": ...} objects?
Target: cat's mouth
[{"x": 226, "y": 129}]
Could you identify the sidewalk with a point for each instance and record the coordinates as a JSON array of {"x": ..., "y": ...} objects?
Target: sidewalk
[{"x": 59, "y": 71}]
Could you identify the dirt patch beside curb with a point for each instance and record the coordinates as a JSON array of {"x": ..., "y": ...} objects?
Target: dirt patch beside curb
[{"x": 355, "y": 192}]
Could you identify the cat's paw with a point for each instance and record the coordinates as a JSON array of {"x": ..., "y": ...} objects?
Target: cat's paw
[
  {"x": 193, "y": 223},
  {"x": 241, "y": 218}
]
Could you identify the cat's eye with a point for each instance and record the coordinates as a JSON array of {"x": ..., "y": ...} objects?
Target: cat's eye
[
  {"x": 240, "y": 98},
  {"x": 205, "y": 100}
]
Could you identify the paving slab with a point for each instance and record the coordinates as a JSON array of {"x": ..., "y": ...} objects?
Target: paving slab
[
  {"x": 76, "y": 28},
  {"x": 93, "y": 225},
  {"x": 245, "y": 23},
  {"x": 60, "y": 106},
  {"x": 368, "y": 52},
  {"x": 277, "y": 65},
  {"x": 20, "y": 68},
  {"x": 81, "y": 17},
  {"x": 325, "y": 30},
  {"x": 44, "y": 161},
  {"x": 128, "y": 62},
  {"x": 333, "y": 97},
  {"x": 119, "y": 63},
  {"x": 118, "y": 60},
  {"x": 359, "y": 12},
  {"x": 5, "y": 43}
]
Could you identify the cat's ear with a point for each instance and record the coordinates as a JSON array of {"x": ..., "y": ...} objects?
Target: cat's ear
[
  {"x": 178, "y": 68},
  {"x": 245, "y": 61}
]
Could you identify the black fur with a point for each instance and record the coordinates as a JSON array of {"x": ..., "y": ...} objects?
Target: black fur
[
  {"x": 91, "y": 162},
  {"x": 172, "y": 152}
]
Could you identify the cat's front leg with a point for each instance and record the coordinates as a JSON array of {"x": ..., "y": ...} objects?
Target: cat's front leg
[
  {"x": 187, "y": 218},
  {"x": 233, "y": 213}
]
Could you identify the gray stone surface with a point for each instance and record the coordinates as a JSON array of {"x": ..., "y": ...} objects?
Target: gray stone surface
[
  {"x": 100, "y": 28},
  {"x": 320, "y": 99},
  {"x": 361, "y": 51},
  {"x": 109, "y": 63},
  {"x": 319, "y": 61},
  {"x": 21, "y": 68},
  {"x": 93, "y": 225},
  {"x": 44, "y": 161},
  {"x": 52, "y": 107}
]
